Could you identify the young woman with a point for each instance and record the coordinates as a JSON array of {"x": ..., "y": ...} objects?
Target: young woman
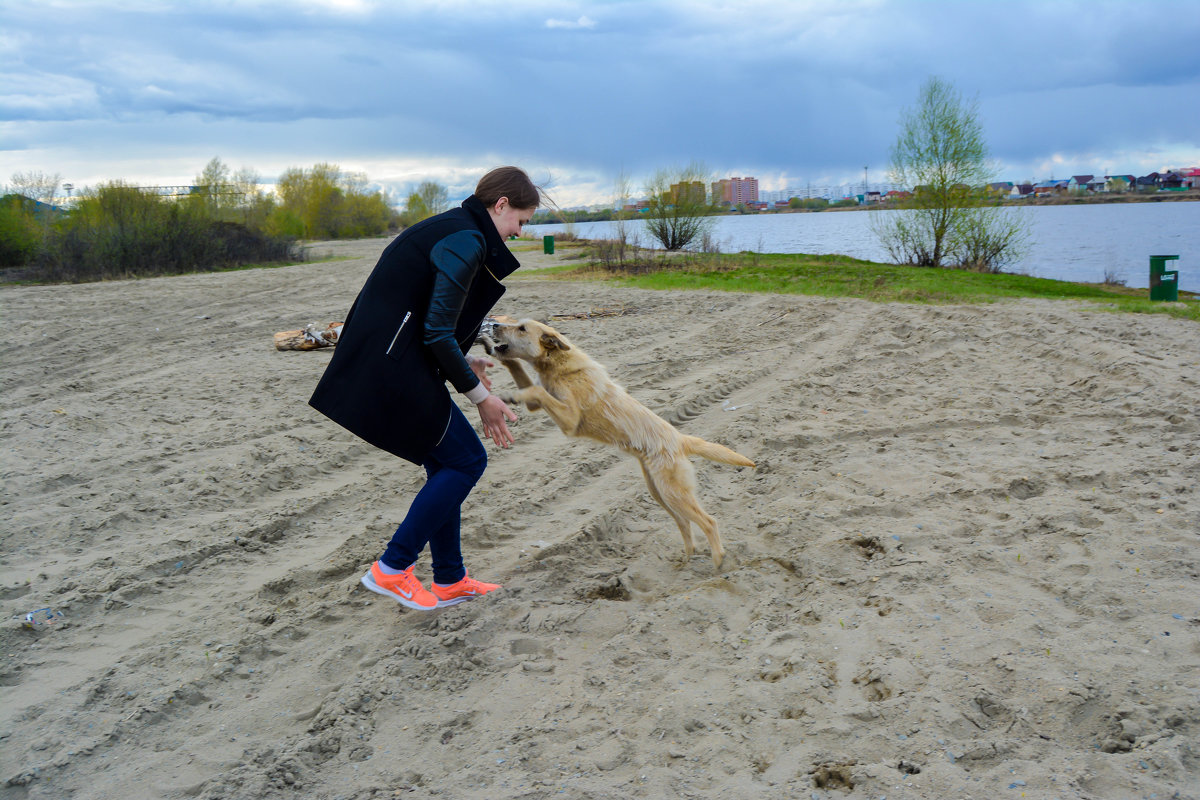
[{"x": 406, "y": 335}]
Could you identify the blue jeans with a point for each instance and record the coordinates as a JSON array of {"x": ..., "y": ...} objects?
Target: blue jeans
[{"x": 453, "y": 468}]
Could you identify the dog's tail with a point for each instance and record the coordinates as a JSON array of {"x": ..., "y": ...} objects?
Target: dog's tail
[{"x": 694, "y": 445}]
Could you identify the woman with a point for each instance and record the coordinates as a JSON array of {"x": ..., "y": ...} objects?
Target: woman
[{"x": 408, "y": 333}]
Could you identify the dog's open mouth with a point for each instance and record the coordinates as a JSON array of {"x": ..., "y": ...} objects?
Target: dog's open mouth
[{"x": 499, "y": 347}]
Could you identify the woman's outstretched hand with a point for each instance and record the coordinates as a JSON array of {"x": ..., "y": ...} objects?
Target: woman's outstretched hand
[
  {"x": 493, "y": 411},
  {"x": 480, "y": 365}
]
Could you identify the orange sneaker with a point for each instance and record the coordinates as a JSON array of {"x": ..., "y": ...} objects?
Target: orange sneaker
[
  {"x": 404, "y": 588},
  {"x": 465, "y": 589}
]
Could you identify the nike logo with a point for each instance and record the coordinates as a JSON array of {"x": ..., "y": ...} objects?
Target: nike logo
[{"x": 404, "y": 594}]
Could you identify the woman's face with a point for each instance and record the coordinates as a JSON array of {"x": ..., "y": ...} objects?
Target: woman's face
[{"x": 509, "y": 219}]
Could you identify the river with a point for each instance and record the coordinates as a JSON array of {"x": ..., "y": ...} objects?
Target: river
[{"x": 1069, "y": 243}]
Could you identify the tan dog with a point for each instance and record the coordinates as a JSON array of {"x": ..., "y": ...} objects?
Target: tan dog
[{"x": 580, "y": 397}]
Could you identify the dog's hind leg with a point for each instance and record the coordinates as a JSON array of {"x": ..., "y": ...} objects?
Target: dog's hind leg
[
  {"x": 677, "y": 488},
  {"x": 685, "y": 525}
]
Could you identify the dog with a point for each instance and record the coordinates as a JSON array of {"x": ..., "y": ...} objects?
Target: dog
[{"x": 583, "y": 400}]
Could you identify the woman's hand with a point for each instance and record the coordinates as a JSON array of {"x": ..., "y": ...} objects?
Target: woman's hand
[
  {"x": 493, "y": 412},
  {"x": 480, "y": 366}
]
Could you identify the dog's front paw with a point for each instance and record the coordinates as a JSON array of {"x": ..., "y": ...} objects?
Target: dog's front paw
[
  {"x": 489, "y": 346},
  {"x": 517, "y": 398}
]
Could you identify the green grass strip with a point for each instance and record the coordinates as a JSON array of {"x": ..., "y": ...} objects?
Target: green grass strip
[{"x": 842, "y": 276}]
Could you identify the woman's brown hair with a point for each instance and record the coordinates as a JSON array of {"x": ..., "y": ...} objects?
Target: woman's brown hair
[{"x": 510, "y": 182}]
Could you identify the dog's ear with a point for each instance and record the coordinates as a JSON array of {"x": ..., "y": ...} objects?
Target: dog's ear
[{"x": 552, "y": 342}]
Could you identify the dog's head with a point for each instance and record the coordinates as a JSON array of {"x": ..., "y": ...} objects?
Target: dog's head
[{"x": 527, "y": 339}]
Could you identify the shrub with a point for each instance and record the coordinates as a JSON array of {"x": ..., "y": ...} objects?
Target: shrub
[
  {"x": 121, "y": 231},
  {"x": 20, "y": 231}
]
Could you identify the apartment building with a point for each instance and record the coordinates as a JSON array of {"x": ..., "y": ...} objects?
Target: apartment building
[
  {"x": 691, "y": 192},
  {"x": 735, "y": 191}
]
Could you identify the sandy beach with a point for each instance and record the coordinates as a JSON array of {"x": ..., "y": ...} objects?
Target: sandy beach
[{"x": 967, "y": 564}]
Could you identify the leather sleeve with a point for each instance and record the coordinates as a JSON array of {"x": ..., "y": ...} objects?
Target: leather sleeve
[{"x": 455, "y": 260}]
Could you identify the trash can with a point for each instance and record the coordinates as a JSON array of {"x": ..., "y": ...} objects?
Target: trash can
[
  {"x": 548, "y": 245},
  {"x": 1164, "y": 283}
]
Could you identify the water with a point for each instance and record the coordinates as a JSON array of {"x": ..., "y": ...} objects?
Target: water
[{"x": 1068, "y": 243}]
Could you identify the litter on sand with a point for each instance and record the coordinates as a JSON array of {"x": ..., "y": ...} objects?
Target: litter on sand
[
  {"x": 310, "y": 337},
  {"x": 41, "y": 617}
]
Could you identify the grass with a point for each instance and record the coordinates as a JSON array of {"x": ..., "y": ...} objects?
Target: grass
[{"x": 842, "y": 276}]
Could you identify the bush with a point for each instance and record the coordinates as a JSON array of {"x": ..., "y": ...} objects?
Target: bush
[
  {"x": 20, "y": 231},
  {"x": 226, "y": 221},
  {"x": 677, "y": 211},
  {"x": 987, "y": 239},
  {"x": 121, "y": 231},
  {"x": 809, "y": 204}
]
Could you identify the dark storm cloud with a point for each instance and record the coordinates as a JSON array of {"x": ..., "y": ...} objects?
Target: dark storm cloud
[{"x": 809, "y": 90}]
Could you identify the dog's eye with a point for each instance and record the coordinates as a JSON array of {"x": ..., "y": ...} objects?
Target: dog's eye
[{"x": 521, "y": 328}]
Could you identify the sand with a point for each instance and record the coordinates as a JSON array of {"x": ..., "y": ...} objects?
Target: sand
[{"x": 966, "y": 565}]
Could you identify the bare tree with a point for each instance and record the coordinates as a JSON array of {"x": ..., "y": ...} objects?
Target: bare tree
[
  {"x": 36, "y": 185},
  {"x": 678, "y": 211}
]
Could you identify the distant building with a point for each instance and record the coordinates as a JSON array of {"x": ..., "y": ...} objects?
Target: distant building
[
  {"x": 1175, "y": 180},
  {"x": 1050, "y": 187},
  {"x": 1119, "y": 183},
  {"x": 690, "y": 192},
  {"x": 735, "y": 191},
  {"x": 1147, "y": 183},
  {"x": 1079, "y": 183}
]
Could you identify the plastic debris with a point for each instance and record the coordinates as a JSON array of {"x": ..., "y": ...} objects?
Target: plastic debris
[{"x": 41, "y": 617}]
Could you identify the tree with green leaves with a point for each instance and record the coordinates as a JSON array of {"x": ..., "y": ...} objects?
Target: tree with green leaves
[
  {"x": 678, "y": 211},
  {"x": 326, "y": 203},
  {"x": 428, "y": 199},
  {"x": 949, "y": 219},
  {"x": 212, "y": 191},
  {"x": 26, "y": 216}
]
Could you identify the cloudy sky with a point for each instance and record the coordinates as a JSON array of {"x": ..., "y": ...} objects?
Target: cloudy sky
[{"x": 794, "y": 92}]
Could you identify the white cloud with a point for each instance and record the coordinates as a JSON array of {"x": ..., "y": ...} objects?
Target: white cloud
[
  {"x": 582, "y": 22},
  {"x": 357, "y": 7},
  {"x": 430, "y": 89}
]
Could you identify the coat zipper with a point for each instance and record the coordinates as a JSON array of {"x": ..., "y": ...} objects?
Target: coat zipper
[{"x": 403, "y": 322}]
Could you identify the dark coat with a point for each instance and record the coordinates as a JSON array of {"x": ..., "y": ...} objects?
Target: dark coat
[{"x": 383, "y": 384}]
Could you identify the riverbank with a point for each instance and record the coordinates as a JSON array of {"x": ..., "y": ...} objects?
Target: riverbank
[
  {"x": 841, "y": 276},
  {"x": 1051, "y": 200},
  {"x": 1081, "y": 243},
  {"x": 965, "y": 565},
  {"x": 1107, "y": 198}
]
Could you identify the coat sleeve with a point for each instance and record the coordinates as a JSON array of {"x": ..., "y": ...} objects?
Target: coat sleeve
[{"x": 455, "y": 260}]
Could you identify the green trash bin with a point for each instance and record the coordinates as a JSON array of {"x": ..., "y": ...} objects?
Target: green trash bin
[
  {"x": 548, "y": 245},
  {"x": 1164, "y": 283}
]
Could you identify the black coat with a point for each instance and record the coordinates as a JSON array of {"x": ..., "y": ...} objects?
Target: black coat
[{"x": 383, "y": 384}]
